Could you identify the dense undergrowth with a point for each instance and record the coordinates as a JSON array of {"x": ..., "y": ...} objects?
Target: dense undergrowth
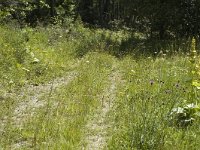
[{"x": 156, "y": 75}]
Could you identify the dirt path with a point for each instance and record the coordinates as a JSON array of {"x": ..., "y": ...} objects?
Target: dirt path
[
  {"x": 30, "y": 99},
  {"x": 98, "y": 125},
  {"x": 32, "y": 95}
]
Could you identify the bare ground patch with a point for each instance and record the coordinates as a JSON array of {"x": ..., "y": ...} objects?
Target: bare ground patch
[
  {"x": 98, "y": 125},
  {"x": 30, "y": 97},
  {"x": 32, "y": 101}
]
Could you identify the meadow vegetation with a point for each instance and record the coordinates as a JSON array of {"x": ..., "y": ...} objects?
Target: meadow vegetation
[{"x": 155, "y": 105}]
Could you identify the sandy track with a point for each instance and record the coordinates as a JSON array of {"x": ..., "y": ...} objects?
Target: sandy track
[
  {"x": 97, "y": 126},
  {"x": 32, "y": 95}
]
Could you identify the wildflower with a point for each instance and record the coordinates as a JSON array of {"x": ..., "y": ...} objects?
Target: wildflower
[
  {"x": 193, "y": 52},
  {"x": 195, "y": 65},
  {"x": 177, "y": 85},
  {"x": 151, "y": 82},
  {"x": 161, "y": 82},
  {"x": 193, "y": 47}
]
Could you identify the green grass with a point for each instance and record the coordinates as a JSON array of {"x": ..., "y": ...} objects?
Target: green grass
[
  {"x": 141, "y": 113},
  {"x": 148, "y": 90},
  {"x": 60, "y": 123},
  {"x": 28, "y": 56}
]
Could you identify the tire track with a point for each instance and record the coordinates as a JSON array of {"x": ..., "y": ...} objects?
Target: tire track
[
  {"x": 33, "y": 94},
  {"x": 30, "y": 96},
  {"x": 97, "y": 127},
  {"x": 31, "y": 100}
]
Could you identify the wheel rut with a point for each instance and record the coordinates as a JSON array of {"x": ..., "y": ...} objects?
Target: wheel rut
[
  {"x": 30, "y": 96},
  {"x": 32, "y": 100},
  {"x": 98, "y": 125}
]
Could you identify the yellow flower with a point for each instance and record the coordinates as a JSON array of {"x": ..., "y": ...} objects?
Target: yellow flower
[{"x": 193, "y": 46}]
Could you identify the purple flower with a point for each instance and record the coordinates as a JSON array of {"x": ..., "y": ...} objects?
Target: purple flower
[
  {"x": 151, "y": 82},
  {"x": 177, "y": 85}
]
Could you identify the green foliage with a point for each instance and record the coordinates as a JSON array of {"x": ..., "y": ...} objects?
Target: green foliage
[
  {"x": 157, "y": 19},
  {"x": 152, "y": 87},
  {"x": 184, "y": 116},
  {"x": 26, "y": 55},
  {"x": 36, "y": 12}
]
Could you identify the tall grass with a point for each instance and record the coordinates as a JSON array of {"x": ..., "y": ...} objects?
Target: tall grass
[{"x": 142, "y": 111}]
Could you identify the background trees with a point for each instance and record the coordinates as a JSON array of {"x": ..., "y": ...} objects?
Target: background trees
[{"x": 157, "y": 18}]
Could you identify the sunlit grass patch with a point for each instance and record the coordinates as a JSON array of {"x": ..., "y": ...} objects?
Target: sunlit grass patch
[
  {"x": 60, "y": 123},
  {"x": 141, "y": 114},
  {"x": 144, "y": 113}
]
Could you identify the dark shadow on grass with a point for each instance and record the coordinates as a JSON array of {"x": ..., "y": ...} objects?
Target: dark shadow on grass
[
  {"x": 133, "y": 46},
  {"x": 150, "y": 47}
]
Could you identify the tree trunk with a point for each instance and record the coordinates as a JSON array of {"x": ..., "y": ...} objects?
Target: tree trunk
[{"x": 52, "y": 8}]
